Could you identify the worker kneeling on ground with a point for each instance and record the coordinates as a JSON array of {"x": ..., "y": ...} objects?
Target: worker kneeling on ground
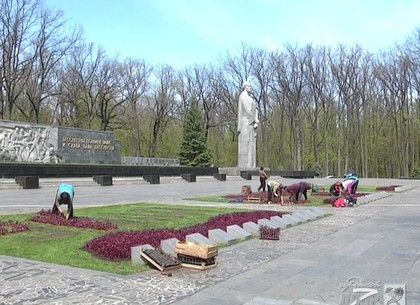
[
  {"x": 336, "y": 189},
  {"x": 275, "y": 188},
  {"x": 65, "y": 195}
]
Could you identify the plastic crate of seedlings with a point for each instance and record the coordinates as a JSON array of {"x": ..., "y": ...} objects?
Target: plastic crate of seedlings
[{"x": 269, "y": 233}]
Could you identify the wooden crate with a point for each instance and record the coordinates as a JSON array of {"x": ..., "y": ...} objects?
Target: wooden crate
[
  {"x": 252, "y": 199},
  {"x": 196, "y": 250},
  {"x": 246, "y": 189}
]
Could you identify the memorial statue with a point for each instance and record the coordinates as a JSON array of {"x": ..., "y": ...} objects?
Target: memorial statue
[{"x": 247, "y": 128}]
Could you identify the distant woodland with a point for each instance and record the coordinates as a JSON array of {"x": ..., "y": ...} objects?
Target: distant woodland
[{"x": 321, "y": 108}]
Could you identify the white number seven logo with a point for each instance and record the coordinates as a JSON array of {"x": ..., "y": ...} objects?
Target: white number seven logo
[{"x": 368, "y": 293}]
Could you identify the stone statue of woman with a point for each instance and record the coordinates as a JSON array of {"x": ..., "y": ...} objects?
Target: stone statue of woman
[{"x": 247, "y": 128}]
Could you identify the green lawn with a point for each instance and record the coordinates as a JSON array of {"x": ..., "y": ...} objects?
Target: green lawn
[{"x": 64, "y": 245}]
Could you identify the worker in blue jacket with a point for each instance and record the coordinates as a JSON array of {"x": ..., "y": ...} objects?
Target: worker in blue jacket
[
  {"x": 64, "y": 195},
  {"x": 351, "y": 175}
]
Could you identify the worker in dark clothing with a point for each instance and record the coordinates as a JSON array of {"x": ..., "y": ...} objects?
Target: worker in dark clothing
[
  {"x": 296, "y": 189},
  {"x": 336, "y": 189}
]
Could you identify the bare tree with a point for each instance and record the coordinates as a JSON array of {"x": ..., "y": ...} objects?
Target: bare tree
[
  {"x": 162, "y": 104},
  {"x": 394, "y": 74},
  {"x": 51, "y": 45},
  {"x": 317, "y": 106},
  {"x": 344, "y": 66},
  {"x": 78, "y": 81},
  {"x": 106, "y": 98},
  {"x": 289, "y": 84},
  {"x": 364, "y": 97},
  {"x": 134, "y": 75},
  {"x": 262, "y": 72},
  {"x": 18, "y": 19},
  {"x": 199, "y": 84}
]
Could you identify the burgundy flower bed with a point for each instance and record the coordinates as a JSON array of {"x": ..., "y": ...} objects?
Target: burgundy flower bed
[
  {"x": 390, "y": 188},
  {"x": 7, "y": 227},
  {"x": 117, "y": 245},
  {"x": 79, "y": 222}
]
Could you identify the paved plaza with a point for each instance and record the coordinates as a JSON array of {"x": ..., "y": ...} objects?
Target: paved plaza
[{"x": 338, "y": 259}]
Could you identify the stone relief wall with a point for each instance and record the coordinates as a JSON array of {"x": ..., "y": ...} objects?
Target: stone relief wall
[{"x": 27, "y": 144}]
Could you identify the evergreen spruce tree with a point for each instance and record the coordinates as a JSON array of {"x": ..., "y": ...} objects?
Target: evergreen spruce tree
[{"x": 194, "y": 151}]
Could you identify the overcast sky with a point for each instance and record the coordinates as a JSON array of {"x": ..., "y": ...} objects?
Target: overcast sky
[{"x": 188, "y": 32}]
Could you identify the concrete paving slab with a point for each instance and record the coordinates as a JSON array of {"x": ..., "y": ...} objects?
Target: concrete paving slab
[
  {"x": 294, "y": 220},
  {"x": 319, "y": 211},
  {"x": 135, "y": 254},
  {"x": 355, "y": 248},
  {"x": 305, "y": 218},
  {"x": 268, "y": 223},
  {"x": 279, "y": 222},
  {"x": 220, "y": 237},
  {"x": 238, "y": 232},
  {"x": 168, "y": 246},
  {"x": 287, "y": 221},
  {"x": 251, "y": 227},
  {"x": 310, "y": 213},
  {"x": 198, "y": 239}
]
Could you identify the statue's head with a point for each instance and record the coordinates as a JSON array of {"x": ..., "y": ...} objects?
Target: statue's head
[{"x": 246, "y": 85}]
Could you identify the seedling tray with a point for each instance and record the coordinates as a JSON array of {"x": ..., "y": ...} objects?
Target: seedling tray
[{"x": 159, "y": 259}]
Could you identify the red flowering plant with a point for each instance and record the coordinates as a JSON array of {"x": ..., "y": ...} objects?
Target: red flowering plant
[
  {"x": 48, "y": 217},
  {"x": 10, "y": 226},
  {"x": 117, "y": 245}
]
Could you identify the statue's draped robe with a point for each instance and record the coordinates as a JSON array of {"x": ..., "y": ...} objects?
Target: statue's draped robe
[{"x": 247, "y": 136}]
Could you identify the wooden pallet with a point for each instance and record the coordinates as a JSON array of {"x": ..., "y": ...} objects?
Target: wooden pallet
[{"x": 199, "y": 267}]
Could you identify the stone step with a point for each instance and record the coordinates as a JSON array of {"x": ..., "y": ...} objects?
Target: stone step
[
  {"x": 54, "y": 182},
  {"x": 9, "y": 183},
  {"x": 129, "y": 180}
]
